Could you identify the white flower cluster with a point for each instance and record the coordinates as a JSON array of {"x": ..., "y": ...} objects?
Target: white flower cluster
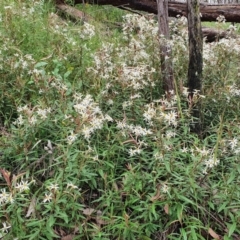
[
  {"x": 210, "y": 163},
  {"x": 127, "y": 67},
  {"x": 31, "y": 115},
  {"x": 8, "y": 197},
  {"x": 91, "y": 115},
  {"x": 136, "y": 130},
  {"x": 232, "y": 28},
  {"x": 4, "y": 229},
  {"x": 150, "y": 113},
  {"x": 104, "y": 63},
  {"x": 158, "y": 156},
  {"x": 53, "y": 188},
  {"x": 87, "y": 31},
  {"x": 136, "y": 77},
  {"x": 221, "y": 19},
  {"x": 165, "y": 188},
  {"x": 145, "y": 26},
  {"x": 165, "y": 112},
  {"x": 233, "y": 90},
  {"x": 23, "y": 62},
  {"x": 59, "y": 85},
  {"x": 216, "y": 51}
]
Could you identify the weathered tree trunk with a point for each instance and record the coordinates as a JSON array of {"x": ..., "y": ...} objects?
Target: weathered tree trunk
[
  {"x": 165, "y": 48},
  {"x": 195, "y": 46},
  {"x": 209, "y": 12},
  {"x": 195, "y": 60}
]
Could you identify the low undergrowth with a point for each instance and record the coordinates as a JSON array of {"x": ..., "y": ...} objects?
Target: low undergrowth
[{"x": 90, "y": 147}]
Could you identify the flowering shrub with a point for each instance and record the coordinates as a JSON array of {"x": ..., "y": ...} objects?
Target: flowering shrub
[{"x": 90, "y": 146}]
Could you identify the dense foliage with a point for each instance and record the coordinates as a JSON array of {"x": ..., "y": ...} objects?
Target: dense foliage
[{"x": 90, "y": 147}]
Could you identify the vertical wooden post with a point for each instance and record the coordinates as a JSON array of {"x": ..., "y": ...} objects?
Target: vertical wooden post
[
  {"x": 195, "y": 46},
  {"x": 195, "y": 56},
  {"x": 165, "y": 48}
]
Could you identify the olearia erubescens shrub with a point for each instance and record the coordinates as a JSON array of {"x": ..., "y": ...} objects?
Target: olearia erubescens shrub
[{"x": 91, "y": 148}]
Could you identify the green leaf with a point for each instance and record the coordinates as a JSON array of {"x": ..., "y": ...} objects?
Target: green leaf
[
  {"x": 101, "y": 173},
  {"x": 34, "y": 234},
  {"x": 193, "y": 234},
  {"x": 226, "y": 238},
  {"x": 51, "y": 220},
  {"x": 40, "y": 64},
  {"x": 34, "y": 223},
  {"x": 93, "y": 181},
  {"x": 65, "y": 76},
  {"x": 167, "y": 165},
  {"x": 30, "y": 82},
  {"x": 154, "y": 211},
  {"x": 49, "y": 227},
  {"x": 179, "y": 212},
  {"x": 232, "y": 229},
  {"x": 186, "y": 200},
  {"x": 211, "y": 205},
  {"x": 109, "y": 164},
  {"x": 183, "y": 234},
  {"x": 63, "y": 216},
  {"x": 231, "y": 178},
  {"x": 223, "y": 206}
]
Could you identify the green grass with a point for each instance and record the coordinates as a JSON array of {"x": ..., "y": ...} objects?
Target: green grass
[
  {"x": 221, "y": 26},
  {"x": 102, "y": 13},
  {"x": 89, "y": 146}
]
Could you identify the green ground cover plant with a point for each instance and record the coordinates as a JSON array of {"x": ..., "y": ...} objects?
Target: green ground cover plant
[{"x": 89, "y": 146}]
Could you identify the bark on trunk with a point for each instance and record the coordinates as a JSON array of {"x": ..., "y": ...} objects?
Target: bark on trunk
[
  {"x": 165, "y": 49},
  {"x": 195, "y": 46},
  {"x": 195, "y": 61},
  {"x": 209, "y": 12}
]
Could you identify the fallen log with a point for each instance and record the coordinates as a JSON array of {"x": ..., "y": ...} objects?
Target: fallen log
[
  {"x": 210, "y": 34},
  {"x": 208, "y": 12},
  {"x": 72, "y": 12}
]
